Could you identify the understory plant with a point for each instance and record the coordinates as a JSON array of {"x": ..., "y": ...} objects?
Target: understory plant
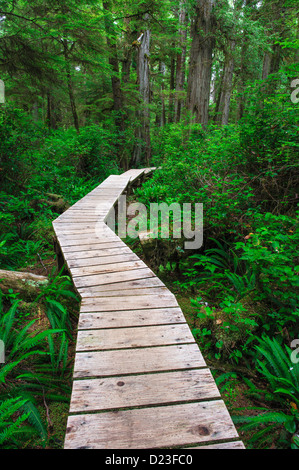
[
  {"x": 32, "y": 374},
  {"x": 280, "y": 389}
]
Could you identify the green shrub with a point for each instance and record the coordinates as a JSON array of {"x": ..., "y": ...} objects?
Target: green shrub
[{"x": 269, "y": 129}]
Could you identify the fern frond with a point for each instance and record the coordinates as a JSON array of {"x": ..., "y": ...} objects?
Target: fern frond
[
  {"x": 35, "y": 419},
  {"x": 266, "y": 418}
]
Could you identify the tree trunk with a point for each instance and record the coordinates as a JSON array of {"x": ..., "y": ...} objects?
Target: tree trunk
[
  {"x": 200, "y": 67},
  {"x": 172, "y": 88},
  {"x": 52, "y": 116},
  {"x": 115, "y": 82},
  {"x": 245, "y": 74},
  {"x": 143, "y": 144},
  {"x": 70, "y": 85},
  {"x": 163, "y": 113},
  {"x": 227, "y": 83},
  {"x": 127, "y": 59},
  {"x": 266, "y": 65},
  {"x": 180, "y": 61}
]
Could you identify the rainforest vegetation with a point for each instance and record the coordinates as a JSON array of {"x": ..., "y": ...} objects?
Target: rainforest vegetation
[{"x": 207, "y": 92}]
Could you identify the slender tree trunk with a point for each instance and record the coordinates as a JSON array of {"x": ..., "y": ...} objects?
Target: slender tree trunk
[
  {"x": 172, "y": 88},
  {"x": 70, "y": 85},
  {"x": 227, "y": 84},
  {"x": 118, "y": 107},
  {"x": 274, "y": 11},
  {"x": 127, "y": 58},
  {"x": 162, "y": 123},
  {"x": 200, "y": 68},
  {"x": 266, "y": 65},
  {"x": 143, "y": 145},
  {"x": 50, "y": 112},
  {"x": 244, "y": 74},
  {"x": 181, "y": 59}
]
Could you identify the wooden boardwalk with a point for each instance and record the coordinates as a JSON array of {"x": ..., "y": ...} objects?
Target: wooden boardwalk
[{"x": 139, "y": 380}]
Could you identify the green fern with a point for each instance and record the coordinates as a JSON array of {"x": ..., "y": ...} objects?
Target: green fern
[
  {"x": 34, "y": 418},
  {"x": 280, "y": 372},
  {"x": 9, "y": 429}
]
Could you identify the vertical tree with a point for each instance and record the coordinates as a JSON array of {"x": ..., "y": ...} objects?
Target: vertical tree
[
  {"x": 180, "y": 61},
  {"x": 118, "y": 106},
  {"x": 200, "y": 66},
  {"x": 143, "y": 145}
]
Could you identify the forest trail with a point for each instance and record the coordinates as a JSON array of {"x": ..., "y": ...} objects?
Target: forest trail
[{"x": 139, "y": 379}]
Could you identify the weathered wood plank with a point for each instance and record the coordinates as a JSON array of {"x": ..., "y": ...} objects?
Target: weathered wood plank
[
  {"x": 151, "y": 428},
  {"x": 102, "y": 260},
  {"x": 73, "y": 226},
  {"x": 141, "y": 390},
  {"x": 92, "y": 292},
  {"x": 107, "y": 268},
  {"x": 137, "y": 361},
  {"x": 91, "y": 234},
  {"x": 102, "y": 279},
  {"x": 125, "y": 318},
  {"x": 94, "y": 246},
  {"x": 222, "y": 445},
  {"x": 127, "y": 303},
  {"x": 133, "y": 174},
  {"x": 121, "y": 250},
  {"x": 83, "y": 241},
  {"x": 134, "y": 337},
  {"x": 130, "y": 285}
]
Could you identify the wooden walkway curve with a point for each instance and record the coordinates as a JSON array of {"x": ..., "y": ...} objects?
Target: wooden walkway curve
[{"x": 139, "y": 379}]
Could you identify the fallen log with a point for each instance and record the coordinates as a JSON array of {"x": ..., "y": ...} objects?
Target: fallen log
[
  {"x": 22, "y": 276},
  {"x": 26, "y": 283}
]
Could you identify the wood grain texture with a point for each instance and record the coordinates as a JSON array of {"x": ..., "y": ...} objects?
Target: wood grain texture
[
  {"x": 103, "y": 279},
  {"x": 135, "y": 361},
  {"x": 150, "y": 428},
  {"x": 97, "y": 253},
  {"x": 128, "y": 285},
  {"x": 221, "y": 445},
  {"x": 92, "y": 292},
  {"x": 129, "y": 302},
  {"x": 134, "y": 337},
  {"x": 101, "y": 260},
  {"x": 125, "y": 318},
  {"x": 142, "y": 390},
  {"x": 93, "y": 246},
  {"x": 107, "y": 268}
]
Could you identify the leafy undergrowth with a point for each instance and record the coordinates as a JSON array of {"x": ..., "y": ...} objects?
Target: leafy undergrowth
[
  {"x": 37, "y": 325},
  {"x": 239, "y": 289},
  {"x": 36, "y": 377}
]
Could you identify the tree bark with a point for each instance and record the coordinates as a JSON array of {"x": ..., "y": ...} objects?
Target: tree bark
[
  {"x": 115, "y": 82},
  {"x": 200, "y": 67},
  {"x": 227, "y": 84},
  {"x": 70, "y": 85},
  {"x": 180, "y": 61},
  {"x": 22, "y": 276},
  {"x": 127, "y": 57},
  {"x": 244, "y": 74},
  {"x": 172, "y": 88},
  {"x": 143, "y": 145},
  {"x": 163, "y": 111}
]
